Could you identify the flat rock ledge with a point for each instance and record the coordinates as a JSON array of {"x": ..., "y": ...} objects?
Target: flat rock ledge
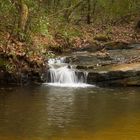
[
  {"x": 114, "y": 78},
  {"x": 126, "y": 75}
]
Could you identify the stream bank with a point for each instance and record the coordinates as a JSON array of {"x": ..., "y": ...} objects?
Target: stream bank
[
  {"x": 109, "y": 66},
  {"x": 21, "y": 64}
]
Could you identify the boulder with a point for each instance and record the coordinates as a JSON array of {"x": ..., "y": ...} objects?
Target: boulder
[{"x": 102, "y": 37}]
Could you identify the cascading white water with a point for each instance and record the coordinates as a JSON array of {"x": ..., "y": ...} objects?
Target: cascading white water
[{"x": 62, "y": 74}]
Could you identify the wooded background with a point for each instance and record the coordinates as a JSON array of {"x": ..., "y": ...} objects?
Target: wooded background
[{"x": 25, "y": 16}]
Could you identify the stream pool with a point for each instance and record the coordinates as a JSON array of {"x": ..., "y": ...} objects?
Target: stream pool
[{"x": 64, "y": 113}]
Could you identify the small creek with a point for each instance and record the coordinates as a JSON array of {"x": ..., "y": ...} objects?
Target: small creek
[{"x": 67, "y": 108}]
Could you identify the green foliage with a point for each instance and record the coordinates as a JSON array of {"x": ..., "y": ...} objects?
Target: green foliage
[
  {"x": 40, "y": 25},
  {"x": 51, "y": 55},
  {"x": 7, "y": 11},
  {"x": 69, "y": 31},
  {"x": 2, "y": 62},
  {"x": 5, "y": 64},
  {"x": 10, "y": 67}
]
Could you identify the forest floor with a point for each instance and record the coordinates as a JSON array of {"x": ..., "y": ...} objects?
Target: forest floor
[
  {"x": 29, "y": 61},
  {"x": 77, "y": 37}
]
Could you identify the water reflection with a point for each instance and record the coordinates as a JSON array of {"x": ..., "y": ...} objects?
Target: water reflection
[
  {"x": 69, "y": 113},
  {"x": 60, "y": 106}
]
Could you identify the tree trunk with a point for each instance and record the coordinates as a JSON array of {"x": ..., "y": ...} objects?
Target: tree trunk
[
  {"x": 88, "y": 12},
  {"x": 23, "y": 11}
]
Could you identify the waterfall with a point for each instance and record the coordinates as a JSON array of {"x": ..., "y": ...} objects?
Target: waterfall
[{"x": 63, "y": 74}]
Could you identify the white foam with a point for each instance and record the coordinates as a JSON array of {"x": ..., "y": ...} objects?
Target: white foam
[{"x": 81, "y": 85}]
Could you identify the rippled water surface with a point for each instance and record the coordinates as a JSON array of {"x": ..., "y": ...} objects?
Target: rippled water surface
[{"x": 64, "y": 113}]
